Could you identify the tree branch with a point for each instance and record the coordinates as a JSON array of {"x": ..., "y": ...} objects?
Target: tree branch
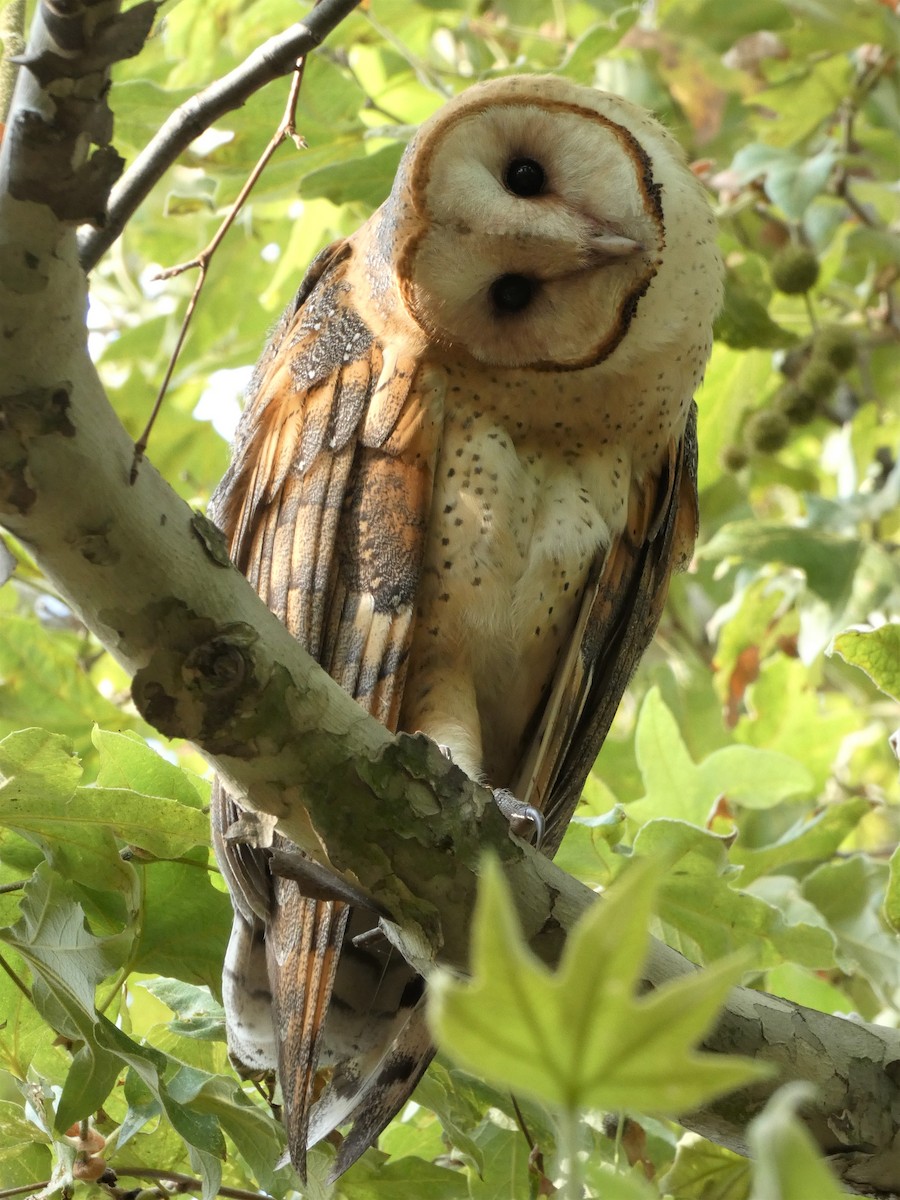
[
  {"x": 211, "y": 664},
  {"x": 274, "y": 58}
]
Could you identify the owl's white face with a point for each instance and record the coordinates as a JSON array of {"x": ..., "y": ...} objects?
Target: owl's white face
[{"x": 543, "y": 212}]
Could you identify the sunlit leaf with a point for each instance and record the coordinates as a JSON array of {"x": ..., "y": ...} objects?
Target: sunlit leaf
[
  {"x": 787, "y": 1165},
  {"x": 580, "y": 1037},
  {"x": 875, "y": 651}
]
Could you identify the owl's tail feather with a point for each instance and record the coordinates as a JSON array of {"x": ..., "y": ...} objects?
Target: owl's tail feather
[
  {"x": 378, "y": 1096},
  {"x": 303, "y": 942}
]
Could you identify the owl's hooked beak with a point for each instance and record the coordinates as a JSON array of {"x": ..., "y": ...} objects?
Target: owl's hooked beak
[{"x": 609, "y": 247}]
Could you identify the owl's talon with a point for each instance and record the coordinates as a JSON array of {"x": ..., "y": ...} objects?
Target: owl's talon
[{"x": 526, "y": 821}]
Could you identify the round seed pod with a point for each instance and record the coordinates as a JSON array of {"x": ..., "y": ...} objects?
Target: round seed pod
[
  {"x": 818, "y": 378},
  {"x": 734, "y": 457},
  {"x": 794, "y": 270},
  {"x": 797, "y": 405},
  {"x": 767, "y": 431},
  {"x": 837, "y": 345}
]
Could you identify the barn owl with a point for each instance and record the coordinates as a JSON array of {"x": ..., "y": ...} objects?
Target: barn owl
[{"x": 464, "y": 475}]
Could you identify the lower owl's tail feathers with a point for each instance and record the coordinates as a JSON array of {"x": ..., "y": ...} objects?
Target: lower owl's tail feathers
[
  {"x": 370, "y": 1095},
  {"x": 319, "y": 995},
  {"x": 303, "y": 946}
]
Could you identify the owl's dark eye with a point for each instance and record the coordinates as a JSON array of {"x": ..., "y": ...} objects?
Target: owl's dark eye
[
  {"x": 525, "y": 177},
  {"x": 512, "y": 293}
]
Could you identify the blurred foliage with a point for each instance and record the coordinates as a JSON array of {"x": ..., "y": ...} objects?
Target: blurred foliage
[{"x": 758, "y": 763}]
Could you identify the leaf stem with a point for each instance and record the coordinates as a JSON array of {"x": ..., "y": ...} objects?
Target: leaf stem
[
  {"x": 26, "y": 991},
  {"x": 568, "y": 1140}
]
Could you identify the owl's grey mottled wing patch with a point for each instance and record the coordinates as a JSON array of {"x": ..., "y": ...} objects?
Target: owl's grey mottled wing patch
[
  {"x": 407, "y": 1056},
  {"x": 618, "y": 618},
  {"x": 325, "y": 505}
]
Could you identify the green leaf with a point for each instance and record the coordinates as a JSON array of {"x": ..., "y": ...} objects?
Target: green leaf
[
  {"x": 784, "y": 705},
  {"x": 796, "y": 182},
  {"x": 405, "y": 1179},
  {"x": 43, "y": 682},
  {"x": 24, "y": 1036},
  {"x": 126, "y": 761},
  {"x": 703, "y": 1171},
  {"x": 53, "y": 939},
  {"x": 850, "y": 895},
  {"x": 186, "y": 922},
  {"x": 811, "y": 839},
  {"x": 579, "y": 1037},
  {"x": 439, "y": 1090},
  {"x": 198, "y": 1015},
  {"x": 802, "y": 986},
  {"x": 754, "y": 778},
  {"x": 875, "y": 651},
  {"x": 706, "y": 916},
  {"x": 38, "y": 800},
  {"x": 787, "y": 1165},
  {"x": 668, "y": 771},
  {"x": 744, "y": 322},
  {"x": 892, "y": 896},
  {"x": 611, "y": 1184},
  {"x": 366, "y": 178},
  {"x": 827, "y": 559},
  {"x": 68, "y": 962},
  {"x": 24, "y": 1156},
  {"x": 677, "y": 787}
]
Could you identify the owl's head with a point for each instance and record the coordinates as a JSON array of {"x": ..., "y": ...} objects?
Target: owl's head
[{"x": 534, "y": 220}]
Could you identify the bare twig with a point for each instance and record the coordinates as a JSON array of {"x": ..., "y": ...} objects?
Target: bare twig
[
  {"x": 867, "y": 80},
  {"x": 183, "y": 1181},
  {"x": 287, "y": 128},
  {"x": 274, "y": 58},
  {"x": 26, "y": 992}
]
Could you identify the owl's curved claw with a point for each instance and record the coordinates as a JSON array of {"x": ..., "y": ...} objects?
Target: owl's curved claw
[{"x": 526, "y": 821}]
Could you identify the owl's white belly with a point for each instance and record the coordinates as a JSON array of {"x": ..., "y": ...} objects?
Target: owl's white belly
[{"x": 518, "y": 519}]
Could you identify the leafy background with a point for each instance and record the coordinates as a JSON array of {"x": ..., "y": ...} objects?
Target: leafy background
[{"x": 753, "y": 747}]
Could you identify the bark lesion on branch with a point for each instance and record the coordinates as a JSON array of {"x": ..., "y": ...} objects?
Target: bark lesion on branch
[{"x": 48, "y": 162}]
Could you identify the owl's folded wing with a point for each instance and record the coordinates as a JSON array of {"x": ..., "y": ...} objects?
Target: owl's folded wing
[
  {"x": 325, "y": 506},
  {"x": 623, "y": 603}
]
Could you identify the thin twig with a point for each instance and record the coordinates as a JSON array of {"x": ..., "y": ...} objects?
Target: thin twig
[
  {"x": 184, "y": 1181},
  {"x": 276, "y": 57},
  {"x": 4, "y": 965},
  {"x": 867, "y": 81},
  {"x": 287, "y": 128},
  {"x": 520, "y": 1117},
  {"x": 16, "y": 886}
]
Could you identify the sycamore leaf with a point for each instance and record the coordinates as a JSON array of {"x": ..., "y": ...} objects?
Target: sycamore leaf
[
  {"x": 875, "y": 651},
  {"x": 676, "y": 786},
  {"x": 580, "y": 1037},
  {"x": 39, "y": 773},
  {"x": 787, "y": 1164}
]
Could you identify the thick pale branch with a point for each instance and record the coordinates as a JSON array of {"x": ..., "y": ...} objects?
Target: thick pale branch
[{"x": 210, "y": 663}]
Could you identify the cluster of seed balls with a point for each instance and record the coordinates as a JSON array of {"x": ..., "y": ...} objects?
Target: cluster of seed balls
[{"x": 812, "y": 371}]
